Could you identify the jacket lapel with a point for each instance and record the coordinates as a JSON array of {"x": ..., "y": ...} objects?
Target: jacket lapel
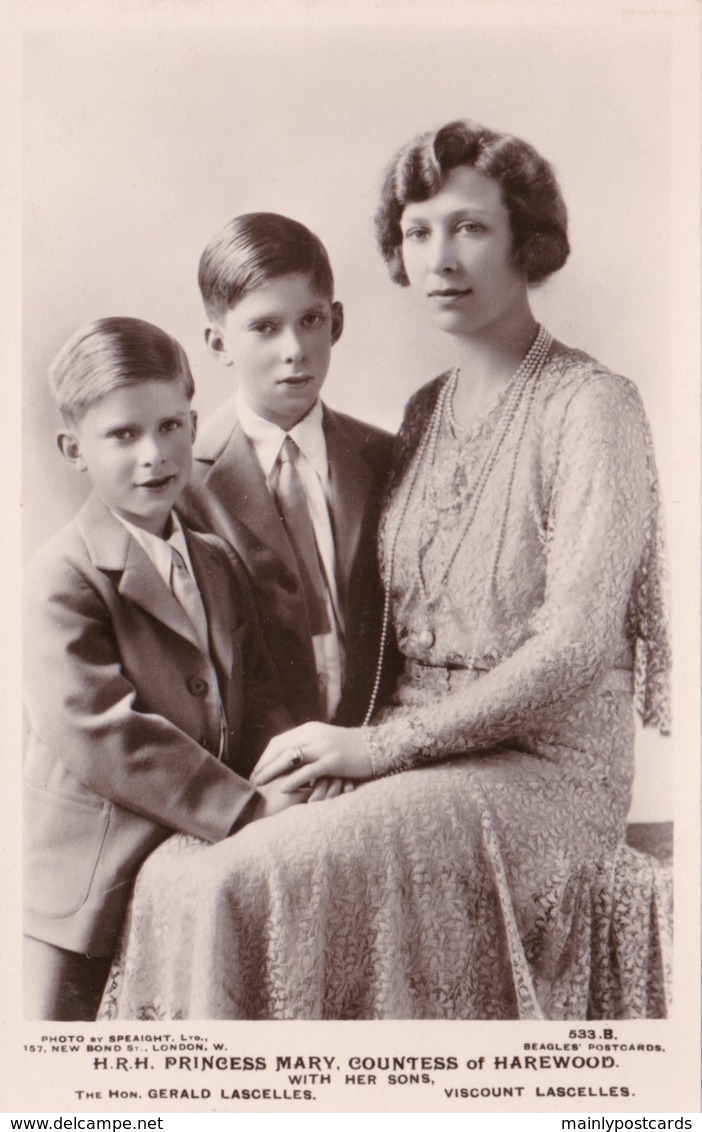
[
  {"x": 236, "y": 481},
  {"x": 350, "y": 480},
  {"x": 112, "y": 549}
]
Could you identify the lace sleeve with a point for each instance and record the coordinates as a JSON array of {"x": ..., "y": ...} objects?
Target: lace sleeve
[{"x": 602, "y": 515}]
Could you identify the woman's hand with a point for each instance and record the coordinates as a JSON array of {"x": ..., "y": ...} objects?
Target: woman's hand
[{"x": 311, "y": 752}]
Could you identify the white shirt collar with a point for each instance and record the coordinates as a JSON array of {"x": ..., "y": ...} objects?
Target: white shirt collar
[
  {"x": 158, "y": 549},
  {"x": 267, "y": 437}
]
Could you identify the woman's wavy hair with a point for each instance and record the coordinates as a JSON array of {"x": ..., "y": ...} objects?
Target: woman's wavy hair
[{"x": 530, "y": 192}]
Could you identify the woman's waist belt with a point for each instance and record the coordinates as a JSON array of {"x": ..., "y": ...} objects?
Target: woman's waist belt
[{"x": 453, "y": 676}]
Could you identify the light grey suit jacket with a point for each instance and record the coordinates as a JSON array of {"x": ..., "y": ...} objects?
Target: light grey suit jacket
[{"x": 124, "y": 720}]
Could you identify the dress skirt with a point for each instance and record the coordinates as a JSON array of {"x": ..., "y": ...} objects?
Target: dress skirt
[{"x": 491, "y": 885}]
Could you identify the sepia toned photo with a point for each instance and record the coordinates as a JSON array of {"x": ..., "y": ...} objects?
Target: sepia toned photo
[{"x": 352, "y": 534}]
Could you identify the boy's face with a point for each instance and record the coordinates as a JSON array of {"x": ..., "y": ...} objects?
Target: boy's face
[
  {"x": 279, "y": 339},
  {"x": 136, "y": 445}
]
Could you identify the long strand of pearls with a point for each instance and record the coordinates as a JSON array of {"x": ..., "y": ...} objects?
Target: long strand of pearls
[
  {"x": 430, "y": 434},
  {"x": 528, "y": 371},
  {"x": 472, "y": 661},
  {"x": 528, "y": 368}
]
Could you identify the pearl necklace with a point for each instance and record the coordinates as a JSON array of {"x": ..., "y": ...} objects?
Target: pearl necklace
[
  {"x": 451, "y": 409},
  {"x": 524, "y": 381}
]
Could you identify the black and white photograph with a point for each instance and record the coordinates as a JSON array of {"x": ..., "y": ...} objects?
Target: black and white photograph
[{"x": 359, "y": 516}]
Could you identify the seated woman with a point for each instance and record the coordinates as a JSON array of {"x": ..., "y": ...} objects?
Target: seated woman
[{"x": 476, "y": 871}]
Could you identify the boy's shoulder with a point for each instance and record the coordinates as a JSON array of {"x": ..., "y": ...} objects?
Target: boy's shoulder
[
  {"x": 356, "y": 436},
  {"x": 60, "y": 561},
  {"x": 63, "y": 586},
  {"x": 360, "y": 430},
  {"x": 213, "y": 436},
  {"x": 217, "y": 431},
  {"x": 87, "y": 556}
]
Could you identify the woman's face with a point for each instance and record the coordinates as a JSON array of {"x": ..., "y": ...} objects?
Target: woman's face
[{"x": 457, "y": 251}]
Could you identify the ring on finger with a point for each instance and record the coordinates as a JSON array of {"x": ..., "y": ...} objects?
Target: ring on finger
[{"x": 297, "y": 759}]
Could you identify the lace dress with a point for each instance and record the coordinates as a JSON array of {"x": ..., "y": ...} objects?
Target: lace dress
[{"x": 489, "y": 879}]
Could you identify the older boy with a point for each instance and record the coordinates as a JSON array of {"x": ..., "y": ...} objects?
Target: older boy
[
  {"x": 149, "y": 689},
  {"x": 292, "y": 486}
]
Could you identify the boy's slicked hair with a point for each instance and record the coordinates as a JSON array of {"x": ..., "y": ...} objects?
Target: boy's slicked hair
[
  {"x": 110, "y": 353},
  {"x": 255, "y": 248},
  {"x": 530, "y": 193}
]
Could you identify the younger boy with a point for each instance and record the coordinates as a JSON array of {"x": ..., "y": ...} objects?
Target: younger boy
[
  {"x": 293, "y": 486},
  {"x": 149, "y": 689}
]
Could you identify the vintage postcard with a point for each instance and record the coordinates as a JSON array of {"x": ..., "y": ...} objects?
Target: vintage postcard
[{"x": 474, "y": 935}]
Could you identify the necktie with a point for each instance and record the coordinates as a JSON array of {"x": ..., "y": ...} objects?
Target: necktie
[
  {"x": 188, "y": 597},
  {"x": 292, "y": 504}
]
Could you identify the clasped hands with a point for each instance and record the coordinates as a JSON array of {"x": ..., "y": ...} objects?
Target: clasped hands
[{"x": 316, "y": 756}]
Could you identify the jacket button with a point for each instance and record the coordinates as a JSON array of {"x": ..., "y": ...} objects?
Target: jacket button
[{"x": 197, "y": 686}]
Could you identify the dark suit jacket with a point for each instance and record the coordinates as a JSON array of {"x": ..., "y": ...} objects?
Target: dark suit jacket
[
  {"x": 228, "y": 495},
  {"x": 124, "y": 719}
]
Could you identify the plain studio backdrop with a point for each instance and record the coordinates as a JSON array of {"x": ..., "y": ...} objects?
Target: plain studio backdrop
[{"x": 139, "y": 145}]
